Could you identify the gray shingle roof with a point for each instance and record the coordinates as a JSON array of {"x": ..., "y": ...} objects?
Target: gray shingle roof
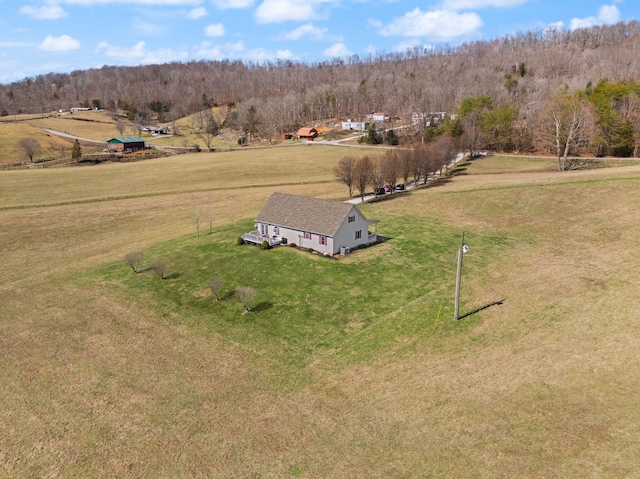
[{"x": 305, "y": 214}]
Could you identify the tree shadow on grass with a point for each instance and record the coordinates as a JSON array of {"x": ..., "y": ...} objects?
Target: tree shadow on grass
[
  {"x": 228, "y": 295},
  {"x": 495, "y": 303},
  {"x": 173, "y": 276},
  {"x": 263, "y": 306}
]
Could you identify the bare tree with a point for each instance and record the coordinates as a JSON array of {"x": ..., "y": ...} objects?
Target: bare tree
[
  {"x": 210, "y": 128},
  {"x": 405, "y": 164},
  {"x": 419, "y": 159},
  {"x": 216, "y": 284},
  {"x": 121, "y": 126},
  {"x": 390, "y": 167},
  {"x": 443, "y": 153},
  {"x": 376, "y": 175},
  {"x": 568, "y": 122},
  {"x": 175, "y": 129},
  {"x": 247, "y": 296},
  {"x": 29, "y": 147},
  {"x": 160, "y": 268},
  {"x": 362, "y": 175},
  {"x": 344, "y": 172},
  {"x": 134, "y": 260}
]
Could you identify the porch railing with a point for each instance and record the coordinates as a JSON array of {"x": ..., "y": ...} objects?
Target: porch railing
[{"x": 255, "y": 237}]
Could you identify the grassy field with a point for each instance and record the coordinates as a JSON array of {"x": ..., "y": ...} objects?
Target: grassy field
[
  {"x": 342, "y": 370},
  {"x": 99, "y": 126}
]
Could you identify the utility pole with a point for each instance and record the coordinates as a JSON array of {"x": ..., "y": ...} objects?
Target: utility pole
[{"x": 456, "y": 307}]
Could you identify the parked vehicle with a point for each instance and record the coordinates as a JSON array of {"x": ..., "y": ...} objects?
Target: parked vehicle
[
  {"x": 400, "y": 187},
  {"x": 380, "y": 191}
]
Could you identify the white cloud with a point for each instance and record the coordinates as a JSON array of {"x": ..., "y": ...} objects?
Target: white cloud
[
  {"x": 438, "y": 24},
  {"x": 407, "y": 45},
  {"x": 227, "y": 4},
  {"x": 608, "y": 14},
  {"x": 214, "y": 30},
  {"x": 372, "y": 49},
  {"x": 337, "y": 50},
  {"x": 45, "y": 12},
  {"x": 196, "y": 13},
  {"x": 261, "y": 54},
  {"x": 63, "y": 43},
  {"x": 275, "y": 11},
  {"x": 164, "y": 55},
  {"x": 134, "y": 2},
  {"x": 476, "y": 4},
  {"x": 220, "y": 52},
  {"x": 139, "y": 54},
  {"x": 555, "y": 26},
  {"x": 307, "y": 30},
  {"x": 113, "y": 51},
  {"x": 239, "y": 51}
]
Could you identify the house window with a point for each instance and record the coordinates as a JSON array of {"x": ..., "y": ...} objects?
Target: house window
[
  {"x": 276, "y": 230},
  {"x": 263, "y": 229},
  {"x": 307, "y": 235},
  {"x": 352, "y": 219},
  {"x": 358, "y": 234},
  {"x": 322, "y": 240}
]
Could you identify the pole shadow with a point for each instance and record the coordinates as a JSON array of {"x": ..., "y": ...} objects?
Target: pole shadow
[{"x": 495, "y": 303}]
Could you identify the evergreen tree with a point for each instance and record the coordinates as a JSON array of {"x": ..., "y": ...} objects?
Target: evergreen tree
[{"x": 76, "y": 151}]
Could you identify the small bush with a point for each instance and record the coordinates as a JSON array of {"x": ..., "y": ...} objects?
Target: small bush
[
  {"x": 247, "y": 296},
  {"x": 239, "y": 240},
  {"x": 216, "y": 285},
  {"x": 265, "y": 245},
  {"x": 160, "y": 268},
  {"x": 134, "y": 260}
]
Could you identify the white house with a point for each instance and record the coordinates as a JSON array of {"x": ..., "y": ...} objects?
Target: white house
[
  {"x": 329, "y": 227},
  {"x": 355, "y": 125}
]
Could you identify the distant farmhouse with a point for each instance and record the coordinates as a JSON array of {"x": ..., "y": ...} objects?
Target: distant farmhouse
[
  {"x": 355, "y": 125},
  {"x": 156, "y": 130},
  {"x": 378, "y": 116},
  {"x": 308, "y": 133},
  {"x": 328, "y": 227},
  {"x": 125, "y": 144}
]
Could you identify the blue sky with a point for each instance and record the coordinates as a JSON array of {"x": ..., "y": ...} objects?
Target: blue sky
[{"x": 42, "y": 36}]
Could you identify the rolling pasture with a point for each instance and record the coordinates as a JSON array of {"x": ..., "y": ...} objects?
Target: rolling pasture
[{"x": 346, "y": 368}]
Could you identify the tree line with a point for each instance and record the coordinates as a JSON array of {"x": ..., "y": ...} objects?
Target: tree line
[{"x": 511, "y": 82}]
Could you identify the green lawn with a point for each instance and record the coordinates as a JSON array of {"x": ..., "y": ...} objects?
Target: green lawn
[{"x": 307, "y": 304}]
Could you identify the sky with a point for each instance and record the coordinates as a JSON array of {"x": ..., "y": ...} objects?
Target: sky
[{"x": 44, "y": 36}]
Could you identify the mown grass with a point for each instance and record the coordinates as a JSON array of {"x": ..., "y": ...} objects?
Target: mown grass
[
  {"x": 340, "y": 372},
  {"x": 197, "y": 173},
  {"x": 308, "y": 305}
]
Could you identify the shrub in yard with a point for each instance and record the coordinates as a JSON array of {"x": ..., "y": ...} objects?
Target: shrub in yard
[
  {"x": 160, "y": 268},
  {"x": 239, "y": 240},
  {"x": 264, "y": 245},
  {"x": 247, "y": 297},
  {"x": 134, "y": 260},
  {"x": 216, "y": 285}
]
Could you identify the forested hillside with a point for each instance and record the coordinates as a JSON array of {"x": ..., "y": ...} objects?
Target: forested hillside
[{"x": 505, "y": 90}]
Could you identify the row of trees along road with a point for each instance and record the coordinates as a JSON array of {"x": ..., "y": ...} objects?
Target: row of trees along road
[{"x": 414, "y": 164}]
